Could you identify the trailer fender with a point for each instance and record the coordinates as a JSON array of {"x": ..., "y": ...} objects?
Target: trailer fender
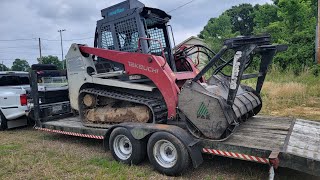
[{"x": 143, "y": 131}]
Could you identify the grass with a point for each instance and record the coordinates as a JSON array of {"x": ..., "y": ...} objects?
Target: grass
[
  {"x": 31, "y": 154},
  {"x": 287, "y": 94}
]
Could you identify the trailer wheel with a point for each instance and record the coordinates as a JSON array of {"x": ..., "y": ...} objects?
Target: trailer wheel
[
  {"x": 124, "y": 148},
  {"x": 167, "y": 154},
  {"x": 3, "y": 122}
]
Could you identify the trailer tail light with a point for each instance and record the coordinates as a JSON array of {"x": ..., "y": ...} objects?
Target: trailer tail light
[{"x": 23, "y": 99}]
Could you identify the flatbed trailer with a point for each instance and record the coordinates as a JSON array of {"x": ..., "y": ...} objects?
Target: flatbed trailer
[{"x": 277, "y": 141}]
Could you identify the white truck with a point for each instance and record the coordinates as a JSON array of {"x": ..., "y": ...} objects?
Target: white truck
[{"x": 13, "y": 99}]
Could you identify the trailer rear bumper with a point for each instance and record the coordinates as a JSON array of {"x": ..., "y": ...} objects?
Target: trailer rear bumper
[{"x": 236, "y": 155}]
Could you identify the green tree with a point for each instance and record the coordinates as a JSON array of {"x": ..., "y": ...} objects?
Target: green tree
[
  {"x": 290, "y": 22},
  {"x": 296, "y": 14},
  {"x": 264, "y": 15},
  {"x": 4, "y": 67},
  {"x": 275, "y": 2},
  {"x": 296, "y": 29},
  {"x": 20, "y": 65},
  {"x": 314, "y": 6},
  {"x": 242, "y": 18},
  {"x": 217, "y": 30},
  {"x": 51, "y": 60}
]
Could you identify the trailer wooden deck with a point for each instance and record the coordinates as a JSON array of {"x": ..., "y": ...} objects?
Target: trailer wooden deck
[
  {"x": 74, "y": 126},
  {"x": 262, "y": 132},
  {"x": 295, "y": 142}
]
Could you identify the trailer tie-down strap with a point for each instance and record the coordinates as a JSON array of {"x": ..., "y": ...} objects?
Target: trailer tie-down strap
[
  {"x": 236, "y": 155},
  {"x": 70, "y": 133}
]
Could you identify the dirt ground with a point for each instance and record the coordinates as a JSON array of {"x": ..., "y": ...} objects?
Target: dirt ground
[{"x": 29, "y": 154}]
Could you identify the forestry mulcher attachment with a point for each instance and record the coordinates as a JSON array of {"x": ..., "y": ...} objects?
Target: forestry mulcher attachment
[{"x": 133, "y": 75}]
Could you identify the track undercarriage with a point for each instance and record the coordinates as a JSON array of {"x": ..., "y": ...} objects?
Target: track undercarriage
[{"x": 104, "y": 107}]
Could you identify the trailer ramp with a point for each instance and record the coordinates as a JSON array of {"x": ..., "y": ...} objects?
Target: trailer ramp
[
  {"x": 305, "y": 139},
  {"x": 302, "y": 151}
]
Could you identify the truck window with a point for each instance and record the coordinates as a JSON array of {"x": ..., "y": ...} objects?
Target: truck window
[{"x": 13, "y": 80}]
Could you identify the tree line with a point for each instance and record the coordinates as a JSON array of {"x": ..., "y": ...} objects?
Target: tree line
[
  {"x": 23, "y": 65},
  {"x": 290, "y": 22}
]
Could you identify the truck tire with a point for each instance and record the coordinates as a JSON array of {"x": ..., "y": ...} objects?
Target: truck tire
[
  {"x": 3, "y": 122},
  {"x": 124, "y": 148},
  {"x": 167, "y": 154}
]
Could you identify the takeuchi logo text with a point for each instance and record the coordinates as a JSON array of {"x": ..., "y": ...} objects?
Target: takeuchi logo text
[{"x": 143, "y": 67}]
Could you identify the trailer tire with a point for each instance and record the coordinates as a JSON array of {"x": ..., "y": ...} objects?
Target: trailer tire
[
  {"x": 3, "y": 122},
  {"x": 167, "y": 154},
  {"x": 124, "y": 148}
]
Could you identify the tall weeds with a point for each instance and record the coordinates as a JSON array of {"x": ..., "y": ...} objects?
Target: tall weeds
[{"x": 288, "y": 94}]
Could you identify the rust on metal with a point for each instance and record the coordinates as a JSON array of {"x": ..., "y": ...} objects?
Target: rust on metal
[{"x": 274, "y": 159}]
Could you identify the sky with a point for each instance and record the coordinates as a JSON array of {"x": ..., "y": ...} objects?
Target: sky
[{"x": 24, "y": 21}]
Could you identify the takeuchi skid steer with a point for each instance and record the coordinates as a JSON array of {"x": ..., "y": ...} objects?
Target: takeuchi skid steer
[{"x": 133, "y": 75}]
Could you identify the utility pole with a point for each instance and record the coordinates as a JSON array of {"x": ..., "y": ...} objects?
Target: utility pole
[
  {"x": 2, "y": 66},
  {"x": 40, "y": 59},
  {"x": 60, "y": 31},
  {"x": 317, "y": 37}
]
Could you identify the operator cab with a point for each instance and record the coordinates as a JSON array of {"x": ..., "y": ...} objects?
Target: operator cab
[{"x": 125, "y": 24}]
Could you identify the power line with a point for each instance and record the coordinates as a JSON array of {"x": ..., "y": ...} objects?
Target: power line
[
  {"x": 67, "y": 39},
  {"x": 181, "y": 6},
  {"x": 33, "y": 39},
  {"x": 23, "y": 52},
  {"x": 19, "y": 47},
  {"x": 51, "y": 39}
]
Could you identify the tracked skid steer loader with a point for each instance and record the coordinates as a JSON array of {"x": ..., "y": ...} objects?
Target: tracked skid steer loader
[{"x": 134, "y": 75}]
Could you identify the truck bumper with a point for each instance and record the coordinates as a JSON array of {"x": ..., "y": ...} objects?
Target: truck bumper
[{"x": 12, "y": 113}]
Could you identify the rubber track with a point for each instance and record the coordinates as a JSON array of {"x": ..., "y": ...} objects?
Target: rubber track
[{"x": 157, "y": 107}]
